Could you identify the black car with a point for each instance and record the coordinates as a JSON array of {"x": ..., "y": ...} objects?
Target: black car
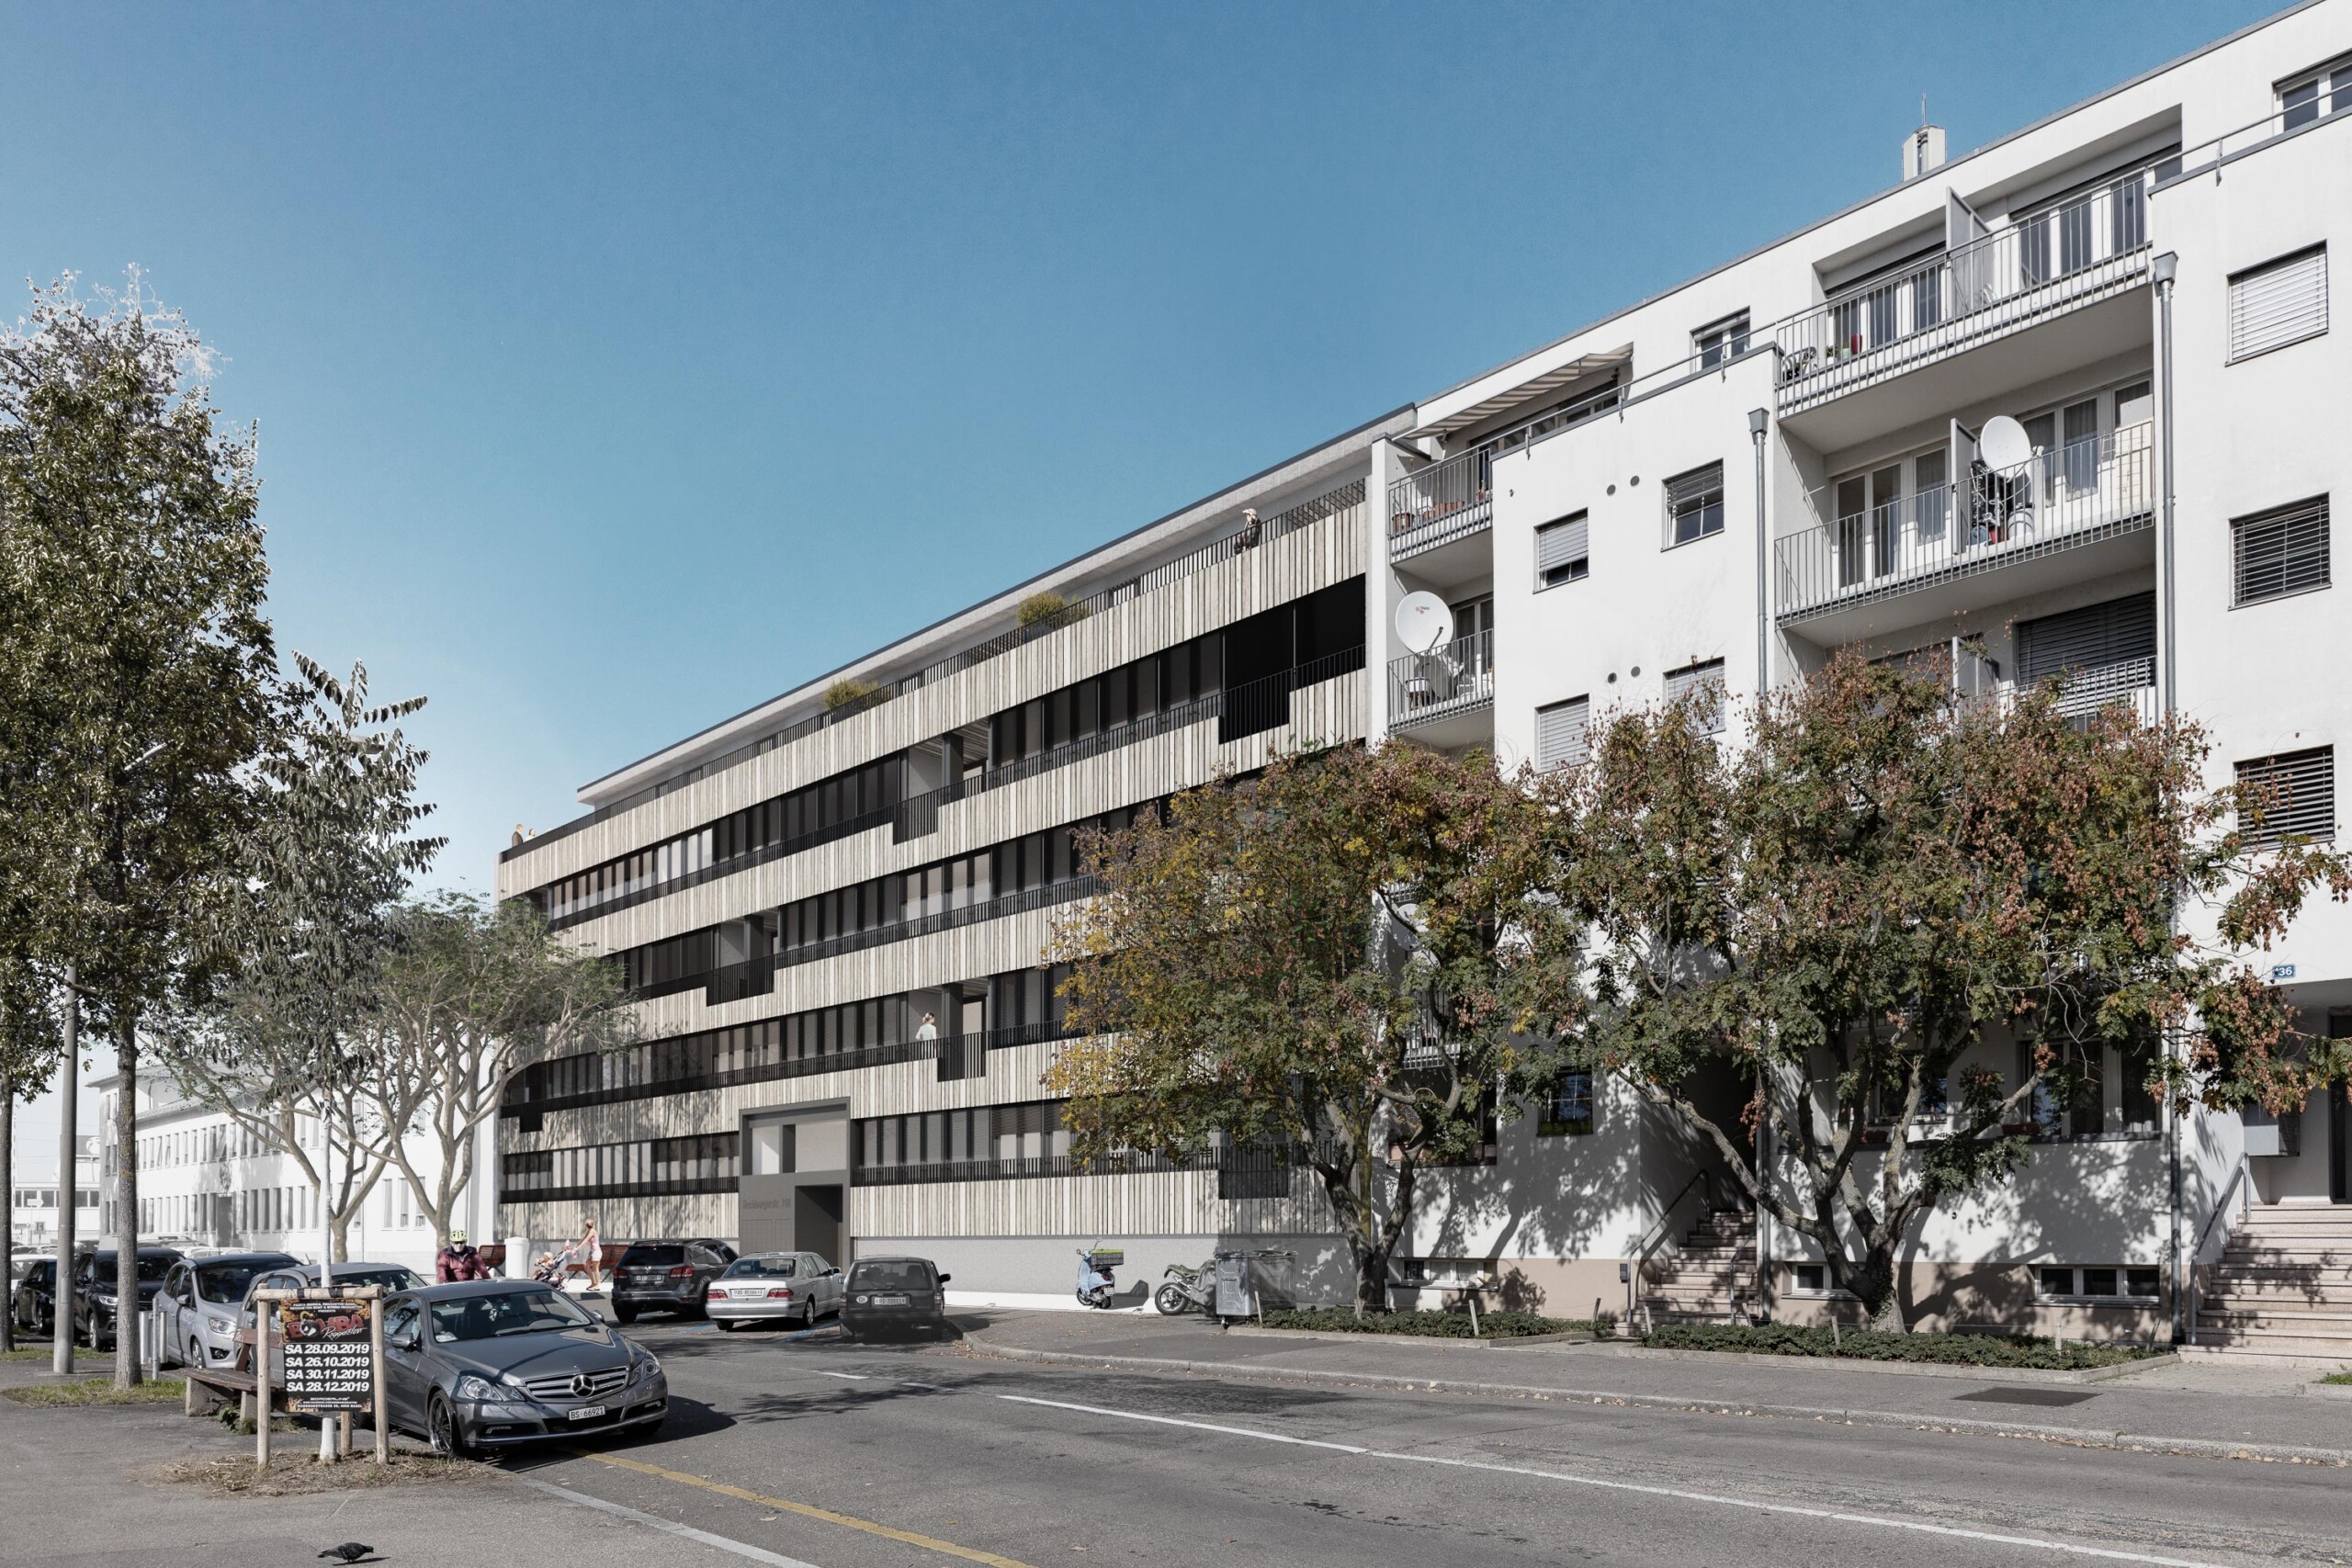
[
  {"x": 895, "y": 1295},
  {"x": 34, "y": 1305},
  {"x": 94, "y": 1291},
  {"x": 492, "y": 1363},
  {"x": 667, "y": 1276}
]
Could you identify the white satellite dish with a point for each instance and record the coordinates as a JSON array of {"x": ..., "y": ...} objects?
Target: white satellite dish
[
  {"x": 1423, "y": 623},
  {"x": 2003, "y": 444}
]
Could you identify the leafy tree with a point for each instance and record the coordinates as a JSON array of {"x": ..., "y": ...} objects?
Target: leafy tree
[
  {"x": 1309, "y": 960},
  {"x": 328, "y": 854},
  {"x": 1887, "y": 883},
  {"x": 472, "y": 994},
  {"x": 131, "y": 528}
]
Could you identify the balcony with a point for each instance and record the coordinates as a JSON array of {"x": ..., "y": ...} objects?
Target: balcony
[
  {"x": 2094, "y": 497},
  {"x": 1443, "y": 697},
  {"x": 1442, "y": 502},
  {"x": 2047, "y": 266}
]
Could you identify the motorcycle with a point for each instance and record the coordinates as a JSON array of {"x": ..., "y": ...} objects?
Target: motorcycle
[
  {"x": 1097, "y": 1282},
  {"x": 1186, "y": 1290}
]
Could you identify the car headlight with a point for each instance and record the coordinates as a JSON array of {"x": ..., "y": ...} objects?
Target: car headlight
[
  {"x": 219, "y": 1325},
  {"x": 644, "y": 1369},
  {"x": 470, "y": 1387}
]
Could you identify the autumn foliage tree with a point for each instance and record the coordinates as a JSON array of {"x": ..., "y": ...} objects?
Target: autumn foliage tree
[
  {"x": 1311, "y": 961},
  {"x": 1883, "y": 897}
]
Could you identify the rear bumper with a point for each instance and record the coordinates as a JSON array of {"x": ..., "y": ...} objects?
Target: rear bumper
[
  {"x": 891, "y": 1320},
  {"x": 759, "y": 1311}
]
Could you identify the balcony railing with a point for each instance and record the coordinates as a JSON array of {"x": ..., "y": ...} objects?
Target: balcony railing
[
  {"x": 1458, "y": 677},
  {"x": 2069, "y": 495},
  {"x": 1452, "y": 496},
  {"x": 2040, "y": 263},
  {"x": 2209, "y": 157}
]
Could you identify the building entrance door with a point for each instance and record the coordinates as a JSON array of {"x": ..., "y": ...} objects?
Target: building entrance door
[{"x": 817, "y": 1220}]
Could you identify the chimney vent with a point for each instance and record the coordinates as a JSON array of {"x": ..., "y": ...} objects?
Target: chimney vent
[{"x": 1922, "y": 150}]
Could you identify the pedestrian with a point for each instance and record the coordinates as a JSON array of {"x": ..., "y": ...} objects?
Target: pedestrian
[
  {"x": 928, "y": 1029},
  {"x": 592, "y": 1253},
  {"x": 458, "y": 1261}
]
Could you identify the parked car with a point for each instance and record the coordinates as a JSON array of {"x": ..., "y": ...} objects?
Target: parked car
[
  {"x": 33, "y": 1303},
  {"x": 895, "y": 1295},
  {"x": 774, "y": 1286},
  {"x": 492, "y": 1363},
  {"x": 667, "y": 1276},
  {"x": 202, "y": 1301},
  {"x": 94, "y": 1291}
]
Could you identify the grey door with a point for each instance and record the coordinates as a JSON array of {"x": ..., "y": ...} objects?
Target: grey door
[{"x": 404, "y": 1370}]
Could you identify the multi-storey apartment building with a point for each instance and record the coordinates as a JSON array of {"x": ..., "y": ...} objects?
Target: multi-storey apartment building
[{"x": 2068, "y": 403}]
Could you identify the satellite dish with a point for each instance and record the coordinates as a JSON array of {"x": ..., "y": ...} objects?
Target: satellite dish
[
  {"x": 1423, "y": 623},
  {"x": 2003, "y": 444}
]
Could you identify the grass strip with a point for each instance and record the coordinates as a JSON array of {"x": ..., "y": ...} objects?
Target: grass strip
[
  {"x": 99, "y": 1391},
  {"x": 300, "y": 1475}
]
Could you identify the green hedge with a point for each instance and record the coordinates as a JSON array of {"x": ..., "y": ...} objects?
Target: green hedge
[
  {"x": 1431, "y": 1325},
  {"x": 1862, "y": 1345}
]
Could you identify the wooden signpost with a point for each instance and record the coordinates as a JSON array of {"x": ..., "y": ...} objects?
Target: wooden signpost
[{"x": 333, "y": 1344}]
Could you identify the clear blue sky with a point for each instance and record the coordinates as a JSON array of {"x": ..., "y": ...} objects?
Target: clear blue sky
[{"x": 616, "y": 368}]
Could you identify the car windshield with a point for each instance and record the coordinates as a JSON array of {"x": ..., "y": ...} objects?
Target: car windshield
[
  {"x": 762, "y": 1269},
  {"x": 505, "y": 1313},
  {"x": 892, "y": 1275},
  {"x": 392, "y": 1279},
  {"x": 651, "y": 1257},
  {"x": 151, "y": 1270},
  {"x": 227, "y": 1281}
]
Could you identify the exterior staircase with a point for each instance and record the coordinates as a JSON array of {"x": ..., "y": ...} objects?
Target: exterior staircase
[
  {"x": 2283, "y": 1286},
  {"x": 1714, "y": 1274}
]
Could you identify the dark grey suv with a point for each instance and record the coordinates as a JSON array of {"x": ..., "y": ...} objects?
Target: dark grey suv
[
  {"x": 491, "y": 1363},
  {"x": 667, "y": 1276}
]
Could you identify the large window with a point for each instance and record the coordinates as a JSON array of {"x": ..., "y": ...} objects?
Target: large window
[
  {"x": 700, "y": 1162},
  {"x": 1694, "y": 504},
  {"x": 2277, "y": 303},
  {"x": 2315, "y": 93},
  {"x": 1568, "y": 1109},
  {"x": 2102, "y": 652},
  {"x": 2295, "y": 794},
  {"x": 2280, "y": 552}
]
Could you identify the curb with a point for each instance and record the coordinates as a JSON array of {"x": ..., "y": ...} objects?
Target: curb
[
  {"x": 1892, "y": 1369},
  {"x": 2080, "y": 1436},
  {"x": 1573, "y": 1337}
]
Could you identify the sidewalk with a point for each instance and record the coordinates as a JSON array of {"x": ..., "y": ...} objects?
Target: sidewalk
[{"x": 2202, "y": 1408}]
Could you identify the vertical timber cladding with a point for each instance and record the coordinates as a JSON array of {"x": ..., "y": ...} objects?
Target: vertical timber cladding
[{"x": 794, "y": 1183}]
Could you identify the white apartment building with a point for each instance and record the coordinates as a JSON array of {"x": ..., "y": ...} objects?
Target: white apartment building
[
  {"x": 2070, "y": 401},
  {"x": 33, "y": 1192},
  {"x": 205, "y": 1182}
]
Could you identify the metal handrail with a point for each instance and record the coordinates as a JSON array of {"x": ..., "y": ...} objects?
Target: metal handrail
[
  {"x": 2231, "y": 145},
  {"x": 1655, "y": 1237},
  {"x": 1458, "y": 676},
  {"x": 2238, "y": 1179}
]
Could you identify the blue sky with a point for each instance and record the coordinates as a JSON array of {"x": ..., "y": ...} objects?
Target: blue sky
[{"x": 616, "y": 368}]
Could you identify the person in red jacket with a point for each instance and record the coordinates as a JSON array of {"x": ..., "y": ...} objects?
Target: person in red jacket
[{"x": 458, "y": 1261}]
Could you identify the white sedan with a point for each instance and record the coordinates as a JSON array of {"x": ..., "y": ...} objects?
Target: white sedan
[{"x": 774, "y": 1286}]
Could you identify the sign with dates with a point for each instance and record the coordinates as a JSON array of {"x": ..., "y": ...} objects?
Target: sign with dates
[{"x": 329, "y": 1355}]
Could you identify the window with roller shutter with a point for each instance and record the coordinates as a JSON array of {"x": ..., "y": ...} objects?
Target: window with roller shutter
[
  {"x": 1563, "y": 733},
  {"x": 2104, "y": 652},
  {"x": 2280, "y": 552},
  {"x": 2277, "y": 303},
  {"x": 1705, "y": 677},
  {"x": 2298, "y": 797},
  {"x": 1562, "y": 551}
]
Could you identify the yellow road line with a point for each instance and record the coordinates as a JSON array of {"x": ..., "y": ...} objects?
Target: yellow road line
[{"x": 808, "y": 1510}]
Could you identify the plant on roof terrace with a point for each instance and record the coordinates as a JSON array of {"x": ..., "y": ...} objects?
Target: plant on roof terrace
[
  {"x": 1047, "y": 609},
  {"x": 849, "y": 695}
]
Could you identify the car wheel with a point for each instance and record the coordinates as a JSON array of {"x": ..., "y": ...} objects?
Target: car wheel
[
  {"x": 448, "y": 1439},
  {"x": 624, "y": 1313},
  {"x": 195, "y": 1356}
]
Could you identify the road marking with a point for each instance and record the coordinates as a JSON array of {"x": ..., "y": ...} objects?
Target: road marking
[
  {"x": 806, "y": 1510},
  {"x": 757, "y": 1554},
  {"x": 846, "y": 1377},
  {"x": 933, "y": 1387},
  {"x": 1875, "y": 1521}
]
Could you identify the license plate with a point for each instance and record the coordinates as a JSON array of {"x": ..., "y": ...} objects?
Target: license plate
[
  {"x": 890, "y": 1300},
  {"x": 588, "y": 1413},
  {"x": 759, "y": 1295}
]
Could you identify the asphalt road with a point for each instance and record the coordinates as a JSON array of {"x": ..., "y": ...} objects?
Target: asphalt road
[{"x": 846, "y": 1456}]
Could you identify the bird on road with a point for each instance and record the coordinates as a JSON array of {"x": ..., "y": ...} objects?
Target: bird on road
[{"x": 349, "y": 1552}]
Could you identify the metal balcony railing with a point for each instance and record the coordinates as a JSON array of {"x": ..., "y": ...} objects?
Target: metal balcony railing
[
  {"x": 1453, "y": 495},
  {"x": 2069, "y": 495},
  {"x": 2208, "y": 156},
  {"x": 1458, "y": 677},
  {"x": 2044, "y": 262}
]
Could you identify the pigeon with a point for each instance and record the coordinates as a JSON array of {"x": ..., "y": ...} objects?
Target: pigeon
[{"x": 349, "y": 1552}]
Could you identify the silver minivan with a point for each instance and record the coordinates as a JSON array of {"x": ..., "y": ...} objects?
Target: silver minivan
[{"x": 202, "y": 1300}]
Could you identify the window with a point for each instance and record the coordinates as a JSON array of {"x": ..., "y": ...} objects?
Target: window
[
  {"x": 2104, "y": 652},
  {"x": 1720, "y": 340},
  {"x": 2279, "y": 553},
  {"x": 2098, "y": 1283},
  {"x": 2295, "y": 798},
  {"x": 2277, "y": 303},
  {"x": 1568, "y": 1109},
  {"x": 1694, "y": 504},
  {"x": 1563, "y": 733},
  {"x": 1562, "y": 549},
  {"x": 1703, "y": 684},
  {"x": 2306, "y": 98}
]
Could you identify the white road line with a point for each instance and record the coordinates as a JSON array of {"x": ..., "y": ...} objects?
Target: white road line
[
  {"x": 933, "y": 1387},
  {"x": 757, "y": 1554},
  {"x": 845, "y": 1377},
  {"x": 1754, "y": 1505}
]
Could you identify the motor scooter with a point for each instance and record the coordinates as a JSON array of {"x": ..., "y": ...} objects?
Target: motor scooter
[{"x": 1097, "y": 1282}]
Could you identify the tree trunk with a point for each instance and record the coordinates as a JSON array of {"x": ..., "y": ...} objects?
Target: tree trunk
[
  {"x": 8, "y": 1233},
  {"x": 126, "y": 1213}
]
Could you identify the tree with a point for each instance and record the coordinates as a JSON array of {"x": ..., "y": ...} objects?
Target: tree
[
  {"x": 1311, "y": 960},
  {"x": 131, "y": 528},
  {"x": 327, "y": 855},
  {"x": 31, "y": 1046},
  {"x": 473, "y": 993},
  {"x": 1852, "y": 915}
]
